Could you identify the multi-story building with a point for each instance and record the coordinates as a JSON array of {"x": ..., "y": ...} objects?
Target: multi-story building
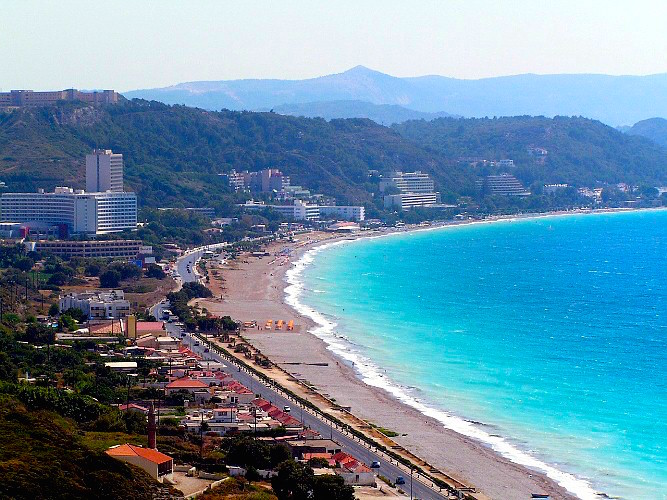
[
  {"x": 19, "y": 98},
  {"x": 298, "y": 211},
  {"x": 120, "y": 249},
  {"x": 78, "y": 211},
  {"x": 416, "y": 189},
  {"x": 97, "y": 305},
  {"x": 406, "y": 201},
  {"x": 347, "y": 212},
  {"x": 236, "y": 180},
  {"x": 104, "y": 171},
  {"x": 502, "y": 185},
  {"x": 408, "y": 182},
  {"x": 264, "y": 181}
]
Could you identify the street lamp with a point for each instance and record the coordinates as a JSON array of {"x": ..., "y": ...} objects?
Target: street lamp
[{"x": 410, "y": 481}]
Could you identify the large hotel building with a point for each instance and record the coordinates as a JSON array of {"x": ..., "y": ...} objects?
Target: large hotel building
[
  {"x": 20, "y": 98},
  {"x": 107, "y": 209},
  {"x": 415, "y": 189}
]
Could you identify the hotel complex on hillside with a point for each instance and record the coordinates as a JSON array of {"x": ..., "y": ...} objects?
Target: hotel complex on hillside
[
  {"x": 415, "y": 189},
  {"x": 21, "y": 98},
  {"x": 107, "y": 209}
]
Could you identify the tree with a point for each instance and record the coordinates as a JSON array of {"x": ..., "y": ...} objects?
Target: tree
[
  {"x": 110, "y": 279},
  {"x": 294, "y": 481},
  {"x": 155, "y": 271},
  {"x": 54, "y": 310},
  {"x": 331, "y": 487}
]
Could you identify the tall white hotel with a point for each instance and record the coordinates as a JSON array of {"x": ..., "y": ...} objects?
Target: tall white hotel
[
  {"x": 104, "y": 171},
  {"x": 103, "y": 208}
]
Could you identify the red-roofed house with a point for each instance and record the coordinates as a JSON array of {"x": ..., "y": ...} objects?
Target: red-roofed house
[
  {"x": 352, "y": 470},
  {"x": 157, "y": 464},
  {"x": 185, "y": 384},
  {"x": 133, "y": 407}
]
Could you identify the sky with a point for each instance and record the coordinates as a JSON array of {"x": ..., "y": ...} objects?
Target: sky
[{"x": 127, "y": 45}]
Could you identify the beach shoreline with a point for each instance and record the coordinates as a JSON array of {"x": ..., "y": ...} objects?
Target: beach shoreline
[{"x": 255, "y": 289}]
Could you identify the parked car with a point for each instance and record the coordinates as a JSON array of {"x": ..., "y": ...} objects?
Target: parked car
[
  {"x": 375, "y": 464},
  {"x": 400, "y": 480}
]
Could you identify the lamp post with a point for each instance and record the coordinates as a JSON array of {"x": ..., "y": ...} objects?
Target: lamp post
[{"x": 410, "y": 481}]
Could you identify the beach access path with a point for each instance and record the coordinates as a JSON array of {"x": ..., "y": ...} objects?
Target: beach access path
[{"x": 252, "y": 289}]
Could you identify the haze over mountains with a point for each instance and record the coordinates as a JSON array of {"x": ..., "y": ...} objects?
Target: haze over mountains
[{"x": 614, "y": 100}]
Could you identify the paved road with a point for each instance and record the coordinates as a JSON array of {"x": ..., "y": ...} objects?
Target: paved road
[{"x": 348, "y": 443}]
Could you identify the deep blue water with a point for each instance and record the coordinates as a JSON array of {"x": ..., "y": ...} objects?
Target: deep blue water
[{"x": 552, "y": 332}]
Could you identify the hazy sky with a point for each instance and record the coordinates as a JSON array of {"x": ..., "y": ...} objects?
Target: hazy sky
[{"x": 137, "y": 44}]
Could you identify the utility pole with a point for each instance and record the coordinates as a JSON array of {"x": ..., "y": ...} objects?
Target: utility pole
[{"x": 410, "y": 481}]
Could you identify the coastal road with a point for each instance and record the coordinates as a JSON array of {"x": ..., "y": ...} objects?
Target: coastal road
[{"x": 350, "y": 444}]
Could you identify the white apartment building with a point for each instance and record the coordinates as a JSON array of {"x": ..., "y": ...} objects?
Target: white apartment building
[
  {"x": 81, "y": 212},
  {"x": 104, "y": 171},
  {"x": 346, "y": 212},
  {"x": 406, "y": 201},
  {"x": 97, "y": 305},
  {"x": 408, "y": 182}
]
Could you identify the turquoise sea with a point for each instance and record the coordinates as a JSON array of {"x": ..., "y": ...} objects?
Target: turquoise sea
[{"x": 545, "y": 338}]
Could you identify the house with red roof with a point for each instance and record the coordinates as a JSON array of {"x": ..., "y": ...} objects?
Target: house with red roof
[
  {"x": 157, "y": 464},
  {"x": 185, "y": 384},
  {"x": 353, "y": 471}
]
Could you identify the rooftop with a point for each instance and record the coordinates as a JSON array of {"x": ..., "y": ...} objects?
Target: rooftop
[{"x": 130, "y": 450}]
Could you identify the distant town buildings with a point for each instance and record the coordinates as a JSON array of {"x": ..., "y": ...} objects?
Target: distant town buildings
[
  {"x": 553, "y": 188},
  {"x": 20, "y": 98},
  {"x": 97, "y": 305},
  {"x": 502, "y": 185},
  {"x": 264, "y": 181},
  {"x": 415, "y": 189},
  {"x": 107, "y": 209}
]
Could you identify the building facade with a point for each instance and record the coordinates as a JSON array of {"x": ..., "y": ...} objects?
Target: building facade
[
  {"x": 502, "y": 185},
  {"x": 104, "y": 171},
  {"x": 346, "y": 212},
  {"x": 97, "y": 305},
  {"x": 406, "y": 201},
  {"x": 119, "y": 249},
  {"x": 80, "y": 212},
  {"x": 20, "y": 98},
  {"x": 408, "y": 182}
]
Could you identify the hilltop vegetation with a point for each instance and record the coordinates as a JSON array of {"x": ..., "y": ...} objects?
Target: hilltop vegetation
[
  {"x": 581, "y": 152},
  {"x": 42, "y": 457},
  {"x": 174, "y": 154},
  {"x": 653, "y": 128}
]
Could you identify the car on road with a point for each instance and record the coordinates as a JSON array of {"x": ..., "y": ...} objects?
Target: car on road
[
  {"x": 375, "y": 464},
  {"x": 196, "y": 344},
  {"x": 183, "y": 334},
  {"x": 400, "y": 480},
  {"x": 206, "y": 349},
  {"x": 287, "y": 409}
]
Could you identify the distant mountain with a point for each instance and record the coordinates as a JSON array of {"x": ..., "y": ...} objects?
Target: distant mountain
[
  {"x": 653, "y": 128},
  {"x": 615, "y": 100},
  {"x": 384, "y": 114}
]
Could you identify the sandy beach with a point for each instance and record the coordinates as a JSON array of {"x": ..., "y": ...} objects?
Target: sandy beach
[{"x": 252, "y": 289}]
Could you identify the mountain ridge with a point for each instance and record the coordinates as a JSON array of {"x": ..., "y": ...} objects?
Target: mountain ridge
[{"x": 614, "y": 100}]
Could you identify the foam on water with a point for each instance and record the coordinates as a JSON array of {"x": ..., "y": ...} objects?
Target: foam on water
[{"x": 372, "y": 375}]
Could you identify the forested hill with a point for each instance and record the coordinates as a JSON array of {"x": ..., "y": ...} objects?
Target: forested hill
[
  {"x": 580, "y": 151},
  {"x": 173, "y": 154},
  {"x": 653, "y": 128}
]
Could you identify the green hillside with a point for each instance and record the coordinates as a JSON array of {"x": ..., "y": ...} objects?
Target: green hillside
[
  {"x": 653, "y": 128},
  {"x": 581, "y": 152},
  {"x": 174, "y": 154},
  {"x": 42, "y": 457}
]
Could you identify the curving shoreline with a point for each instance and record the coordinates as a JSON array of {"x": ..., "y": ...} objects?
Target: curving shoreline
[{"x": 257, "y": 290}]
